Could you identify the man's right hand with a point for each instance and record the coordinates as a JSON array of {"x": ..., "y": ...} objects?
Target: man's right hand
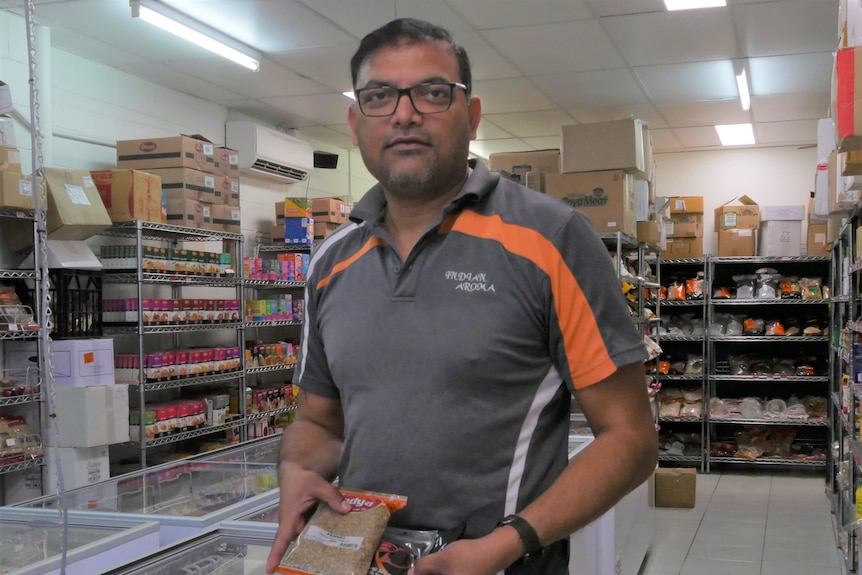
[{"x": 299, "y": 492}]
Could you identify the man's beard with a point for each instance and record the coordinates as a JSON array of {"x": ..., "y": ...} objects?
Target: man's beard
[{"x": 434, "y": 177}]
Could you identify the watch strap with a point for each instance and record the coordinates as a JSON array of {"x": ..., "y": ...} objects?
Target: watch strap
[{"x": 528, "y": 535}]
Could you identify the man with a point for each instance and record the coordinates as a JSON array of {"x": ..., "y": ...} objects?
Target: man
[{"x": 446, "y": 328}]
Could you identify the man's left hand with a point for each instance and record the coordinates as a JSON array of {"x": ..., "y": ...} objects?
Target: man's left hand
[{"x": 463, "y": 557}]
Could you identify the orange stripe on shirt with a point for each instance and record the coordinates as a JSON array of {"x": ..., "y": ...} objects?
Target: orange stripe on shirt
[
  {"x": 372, "y": 243},
  {"x": 581, "y": 337}
]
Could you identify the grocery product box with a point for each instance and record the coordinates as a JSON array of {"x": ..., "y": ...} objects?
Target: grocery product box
[
  {"x": 527, "y": 168},
  {"x": 130, "y": 194},
  {"x": 188, "y": 213},
  {"x": 782, "y": 213},
  {"x": 675, "y": 487},
  {"x": 186, "y": 183},
  {"x": 293, "y": 208},
  {"x": 277, "y": 233},
  {"x": 226, "y": 191},
  {"x": 612, "y": 145},
  {"x": 298, "y": 231},
  {"x": 75, "y": 208},
  {"x": 739, "y": 213},
  {"x": 686, "y": 204},
  {"x": 5, "y": 98},
  {"x": 322, "y": 230},
  {"x": 332, "y": 210},
  {"x": 684, "y": 226},
  {"x": 10, "y": 160},
  {"x": 606, "y": 197},
  {"x": 195, "y": 152},
  {"x": 16, "y": 191},
  {"x": 682, "y": 248},
  {"x": 77, "y": 362},
  {"x": 228, "y": 217},
  {"x": 780, "y": 238},
  {"x": 81, "y": 466},
  {"x": 226, "y": 162},
  {"x": 92, "y": 416},
  {"x": 649, "y": 232},
  {"x": 816, "y": 240},
  {"x": 737, "y": 242}
]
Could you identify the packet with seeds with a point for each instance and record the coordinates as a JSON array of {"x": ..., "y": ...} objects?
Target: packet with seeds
[
  {"x": 400, "y": 548},
  {"x": 336, "y": 544}
]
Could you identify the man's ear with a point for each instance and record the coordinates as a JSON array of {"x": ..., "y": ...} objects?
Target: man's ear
[
  {"x": 474, "y": 111},
  {"x": 351, "y": 119}
]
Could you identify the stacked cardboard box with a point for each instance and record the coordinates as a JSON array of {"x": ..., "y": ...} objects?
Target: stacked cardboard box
[
  {"x": 293, "y": 222},
  {"x": 817, "y": 240},
  {"x": 527, "y": 168},
  {"x": 737, "y": 222},
  {"x": 684, "y": 228},
  {"x": 781, "y": 231},
  {"x": 15, "y": 189},
  {"x": 328, "y": 214},
  {"x": 131, "y": 195}
]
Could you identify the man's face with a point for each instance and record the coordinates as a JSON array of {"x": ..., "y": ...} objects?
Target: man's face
[{"x": 415, "y": 156}]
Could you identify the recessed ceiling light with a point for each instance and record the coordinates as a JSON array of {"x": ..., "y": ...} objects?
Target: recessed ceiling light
[
  {"x": 692, "y": 4},
  {"x": 735, "y": 134},
  {"x": 350, "y": 94}
]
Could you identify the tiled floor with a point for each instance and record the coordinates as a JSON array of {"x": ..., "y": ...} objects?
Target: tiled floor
[{"x": 748, "y": 524}]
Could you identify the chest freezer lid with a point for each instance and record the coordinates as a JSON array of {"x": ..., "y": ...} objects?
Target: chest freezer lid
[{"x": 264, "y": 450}]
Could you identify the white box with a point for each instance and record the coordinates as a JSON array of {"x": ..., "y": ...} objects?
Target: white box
[
  {"x": 77, "y": 362},
  {"x": 93, "y": 415},
  {"x": 642, "y": 193},
  {"x": 782, "y": 213},
  {"x": 81, "y": 466},
  {"x": 7, "y": 133},
  {"x": 5, "y": 98},
  {"x": 825, "y": 140},
  {"x": 780, "y": 238}
]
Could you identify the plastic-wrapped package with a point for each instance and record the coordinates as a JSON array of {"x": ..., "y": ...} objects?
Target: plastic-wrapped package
[
  {"x": 676, "y": 290},
  {"x": 796, "y": 409},
  {"x": 745, "y": 286},
  {"x": 739, "y": 364},
  {"x": 692, "y": 395},
  {"x": 400, "y": 548},
  {"x": 694, "y": 365},
  {"x": 775, "y": 409},
  {"x": 790, "y": 288},
  {"x": 718, "y": 408},
  {"x": 751, "y": 408},
  {"x": 817, "y": 408},
  {"x": 691, "y": 409},
  {"x": 677, "y": 367},
  {"x": 774, "y": 327},
  {"x": 734, "y": 325},
  {"x": 767, "y": 286},
  {"x": 762, "y": 366},
  {"x": 721, "y": 293},
  {"x": 811, "y": 288},
  {"x": 783, "y": 366},
  {"x": 694, "y": 287},
  {"x": 753, "y": 326}
]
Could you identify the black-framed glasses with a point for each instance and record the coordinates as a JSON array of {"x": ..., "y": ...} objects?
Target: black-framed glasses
[{"x": 427, "y": 98}]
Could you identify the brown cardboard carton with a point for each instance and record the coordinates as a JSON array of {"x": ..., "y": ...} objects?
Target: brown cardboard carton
[
  {"x": 16, "y": 191},
  {"x": 277, "y": 233},
  {"x": 521, "y": 163},
  {"x": 75, "y": 208},
  {"x": 332, "y": 210},
  {"x": 739, "y": 213},
  {"x": 195, "y": 152},
  {"x": 684, "y": 226},
  {"x": 682, "y": 248},
  {"x": 186, "y": 183},
  {"x": 607, "y": 198},
  {"x": 816, "y": 242},
  {"x": 10, "y": 160},
  {"x": 185, "y": 212},
  {"x": 737, "y": 242},
  {"x": 323, "y": 229},
  {"x": 649, "y": 163},
  {"x": 130, "y": 194},
  {"x": 228, "y": 217},
  {"x": 226, "y": 162},
  {"x": 649, "y": 232},
  {"x": 675, "y": 487},
  {"x": 294, "y": 208},
  {"x": 686, "y": 204},
  {"x": 226, "y": 191},
  {"x": 612, "y": 145}
]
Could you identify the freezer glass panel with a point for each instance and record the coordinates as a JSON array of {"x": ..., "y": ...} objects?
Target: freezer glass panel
[
  {"x": 215, "y": 555},
  {"x": 23, "y": 543},
  {"x": 265, "y": 451},
  {"x": 268, "y": 515}
]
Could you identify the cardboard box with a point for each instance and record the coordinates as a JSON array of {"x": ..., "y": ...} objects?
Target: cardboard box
[
  {"x": 10, "y": 160},
  {"x": 92, "y": 416},
  {"x": 322, "y": 230},
  {"x": 782, "y": 213},
  {"x": 77, "y": 362},
  {"x": 298, "y": 231},
  {"x": 649, "y": 163},
  {"x": 186, "y": 183},
  {"x": 780, "y": 238},
  {"x": 130, "y": 194},
  {"x": 684, "y": 226},
  {"x": 332, "y": 210},
  {"x": 649, "y": 232},
  {"x": 277, "y": 233},
  {"x": 16, "y": 191},
  {"x": 226, "y": 191},
  {"x": 816, "y": 241},
  {"x": 228, "y": 217},
  {"x": 675, "y": 487},
  {"x": 195, "y": 152},
  {"x": 607, "y": 198},
  {"x": 293, "y": 208},
  {"x": 226, "y": 162},
  {"x": 188, "y": 213},
  {"x": 5, "y": 98},
  {"x": 739, "y": 213},
  {"x": 686, "y": 204},
  {"x": 613, "y": 145},
  {"x": 81, "y": 466},
  {"x": 527, "y": 168},
  {"x": 642, "y": 199},
  {"x": 737, "y": 243},
  {"x": 849, "y": 23},
  {"x": 75, "y": 208},
  {"x": 7, "y": 132},
  {"x": 682, "y": 248}
]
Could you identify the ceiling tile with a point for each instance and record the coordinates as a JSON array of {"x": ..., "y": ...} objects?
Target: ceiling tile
[
  {"x": 270, "y": 114},
  {"x": 790, "y": 107},
  {"x": 673, "y": 37},
  {"x": 486, "y": 62},
  {"x": 328, "y": 135},
  {"x": 544, "y": 142},
  {"x": 620, "y": 7},
  {"x": 182, "y": 82},
  {"x": 511, "y": 95},
  {"x": 664, "y": 141},
  {"x": 532, "y": 124},
  {"x": 688, "y": 114},
  {"x": 485, "y": 14},
  {"x": 485, "y": 148},
  {"x": 645, "y": 112},
  {"x": 439, "y": 12},
  {"x": 358, "y": 17},
  {"x": 800, "y": 132},
  {"x": 322, "y": 109},
  {"x": 703, "y": 137},
  {"x": 343, "y": 129},
  {"x": 788, "y": 27},
  {"x": 92, "y": 48},
  {"x": 689, "y": 82},
  {"x": 326, "y": 65},
  {"x": 488, "y": 130},
  {"x": 556, "y": 48},
  {"x": 791, "y": 74},
  {"x": 590, "y": 89}
]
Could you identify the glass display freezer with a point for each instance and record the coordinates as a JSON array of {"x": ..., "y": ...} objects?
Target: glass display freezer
[
  {"x": 263, "y": 450},
  {"x": 31, "y": 540},
  {"x": 186, "y": 498}
]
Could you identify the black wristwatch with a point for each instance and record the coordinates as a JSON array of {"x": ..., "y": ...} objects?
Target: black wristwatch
[{"x": 525, "y": 531}]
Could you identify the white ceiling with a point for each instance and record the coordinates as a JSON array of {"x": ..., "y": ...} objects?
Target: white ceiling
[{"x": 537, "y": 64}]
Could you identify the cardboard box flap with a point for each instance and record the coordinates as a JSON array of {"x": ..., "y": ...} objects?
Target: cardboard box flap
[
  {"x": 75, "y": 208},
  {"x": 198, "y": 137},
  {"x": 738, "y": 212}
]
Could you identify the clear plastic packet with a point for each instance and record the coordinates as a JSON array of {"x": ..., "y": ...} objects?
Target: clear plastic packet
[
  {"x": 745, "y": 286},
  {"x": 341, "y": 544},
  {"x": 400, "y": 548},
  {"x": 753, "y": 326},
  {"x": 694, "y": 365},
  {"x": 811, "y": 288}
]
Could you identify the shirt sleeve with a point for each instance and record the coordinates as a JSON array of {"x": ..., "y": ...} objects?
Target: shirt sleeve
[{"x": 312, "y": 368}]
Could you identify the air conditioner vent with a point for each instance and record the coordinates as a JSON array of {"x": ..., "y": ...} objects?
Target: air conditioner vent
[{"x": 275, "y": 169}]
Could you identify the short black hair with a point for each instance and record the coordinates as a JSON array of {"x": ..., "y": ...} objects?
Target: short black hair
[{"x": 411, "y": 31}]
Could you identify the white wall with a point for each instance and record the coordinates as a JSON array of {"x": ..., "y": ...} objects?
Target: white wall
[{"x": 769, "y": 176}]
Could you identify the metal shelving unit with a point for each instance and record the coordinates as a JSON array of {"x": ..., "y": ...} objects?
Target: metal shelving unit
[
  {"x": 21, "y": 465},
  {"x": 169, "y": 329},
  {"x": 188, "y": 381},
  {"x": 270, "y": 368},
  {"x": 785, "y": 422},
  {"x": 167, "y": 278},
  {"x": 772, "y": 462},
  {"x": 203, "y": 431}
]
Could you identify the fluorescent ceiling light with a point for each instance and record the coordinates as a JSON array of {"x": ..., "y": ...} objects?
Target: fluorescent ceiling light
[
  {"x": 744, "y": 94},
  {"x": 350, "y": 94},
  {"x": 187, "y": 29},
  {"x": 735, "y": 134},
  {"x": 692, "y": 4}
]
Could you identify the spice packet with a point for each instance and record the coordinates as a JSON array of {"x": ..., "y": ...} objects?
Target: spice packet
[
  {"x": 341, "y": 544},
  {"x": 400, "y": 548}
]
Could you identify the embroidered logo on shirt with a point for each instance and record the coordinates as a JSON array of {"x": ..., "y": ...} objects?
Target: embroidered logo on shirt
[{"x": 470, "y": 282}]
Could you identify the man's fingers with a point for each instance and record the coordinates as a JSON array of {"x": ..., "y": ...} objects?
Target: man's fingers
[{"x": 279, "y": 546}]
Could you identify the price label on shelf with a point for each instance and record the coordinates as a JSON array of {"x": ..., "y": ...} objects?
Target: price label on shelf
[{"x": 13, "y": 327}]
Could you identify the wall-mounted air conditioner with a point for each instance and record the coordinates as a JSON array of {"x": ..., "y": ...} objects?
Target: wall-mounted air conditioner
[{"x": 269, "y": 153}]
